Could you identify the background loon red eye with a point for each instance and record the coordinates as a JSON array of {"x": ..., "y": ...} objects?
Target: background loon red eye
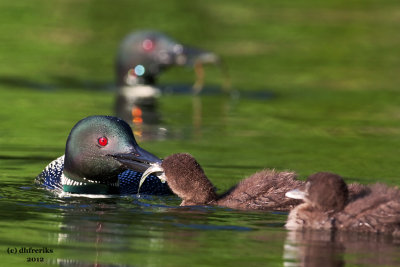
[
  {"x": 103, "y": 141},
  {"x": 148, "y": 45}
]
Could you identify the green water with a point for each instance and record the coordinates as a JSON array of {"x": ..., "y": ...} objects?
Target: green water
[{"x": 319, "y": 91}]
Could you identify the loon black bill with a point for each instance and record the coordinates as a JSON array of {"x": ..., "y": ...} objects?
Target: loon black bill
[
  {"x": 139, "y": 160},
  {"x": 190, "y": 56}
]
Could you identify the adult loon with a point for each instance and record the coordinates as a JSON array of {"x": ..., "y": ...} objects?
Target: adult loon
[
  {"x": 142, "y": 56},
  {"x": 101, "y": 157}
]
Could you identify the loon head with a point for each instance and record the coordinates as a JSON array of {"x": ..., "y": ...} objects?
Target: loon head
[
  {"x": 100, "y": 147},
  {"x": 143, "y": 55}
]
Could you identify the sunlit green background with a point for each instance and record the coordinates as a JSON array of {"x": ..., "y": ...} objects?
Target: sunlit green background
[{"x": 333, "y": 68}]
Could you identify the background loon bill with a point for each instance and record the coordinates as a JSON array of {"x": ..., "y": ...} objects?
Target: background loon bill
[
  {"x": 192, "y": 56},
  {"x": 139, "y": 159}
]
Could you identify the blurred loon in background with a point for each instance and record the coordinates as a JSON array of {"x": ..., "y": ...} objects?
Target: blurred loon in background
[{"x": 141, "y": 57}]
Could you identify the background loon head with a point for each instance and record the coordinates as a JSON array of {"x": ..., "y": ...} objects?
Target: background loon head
[
  {"x": 99, "y": 147},
  {"x": 143, "y": 55}
]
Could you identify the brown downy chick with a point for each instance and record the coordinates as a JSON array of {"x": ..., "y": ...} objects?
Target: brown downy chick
[
  {"x": 264, "y": 190},
  {"x": 327, "y": 206}
]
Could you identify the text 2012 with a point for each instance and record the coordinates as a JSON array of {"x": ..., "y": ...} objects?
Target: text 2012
[{"x": 34, "y": 259}]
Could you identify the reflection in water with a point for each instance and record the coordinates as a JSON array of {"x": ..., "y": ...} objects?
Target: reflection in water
[
  {"x": 312, "y": 248},
  {"x": 154, "y": 231},
  {"x": 200, "y": 74},
  {"x": 91, "y": 225},
  {"x": 224, "y": 104},
  {"x": 197, "y": 116},
  {"x": 141, "y": 232},
  {"x": 142, "y": 56},
  {"x": 105, "y": 227},
  {"x": 138, "y": 105},
  {"x": 88, "y": 229},
  {"x": 325, "y": 248}
]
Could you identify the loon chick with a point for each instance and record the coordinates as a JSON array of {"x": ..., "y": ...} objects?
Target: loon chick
[
  {"x": 264, "y": 190},
  {"x": 327, "y": 206},
  {"x": 101, "y": 157}
]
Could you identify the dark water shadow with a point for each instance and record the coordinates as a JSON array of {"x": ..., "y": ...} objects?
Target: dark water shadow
[
  {"x": 209, "y": 90},
  {"x": 29, "y": 158},
  {"x": 56, "y": 83},
  {"x": 18, "y": 82}
]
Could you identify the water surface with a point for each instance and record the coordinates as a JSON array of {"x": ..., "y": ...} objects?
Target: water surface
[{"x": 229, "y": 140}]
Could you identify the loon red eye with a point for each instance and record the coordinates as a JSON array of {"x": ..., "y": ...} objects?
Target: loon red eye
[
  {"x": 148, "y": 45},
  {"x": 103, "y": 141}
]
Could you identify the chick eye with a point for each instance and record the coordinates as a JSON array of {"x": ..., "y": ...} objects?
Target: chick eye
[{"x": 103, "y": 141}]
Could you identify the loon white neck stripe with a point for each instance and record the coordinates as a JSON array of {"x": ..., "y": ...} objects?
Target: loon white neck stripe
[{"x": 66, "y": 181}]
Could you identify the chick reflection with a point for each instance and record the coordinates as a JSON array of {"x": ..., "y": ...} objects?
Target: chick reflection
[
  {"x": 313, "y": 248},
  {"x": 328, "y": 248}
]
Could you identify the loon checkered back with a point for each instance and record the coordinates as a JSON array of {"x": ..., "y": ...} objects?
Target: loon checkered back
[{"x": 128, "y": 180}]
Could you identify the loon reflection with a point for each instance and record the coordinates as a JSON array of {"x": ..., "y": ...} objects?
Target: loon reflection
[
  {"x": 91, "y": 231},
  {"x": 141, "y": 58}
]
